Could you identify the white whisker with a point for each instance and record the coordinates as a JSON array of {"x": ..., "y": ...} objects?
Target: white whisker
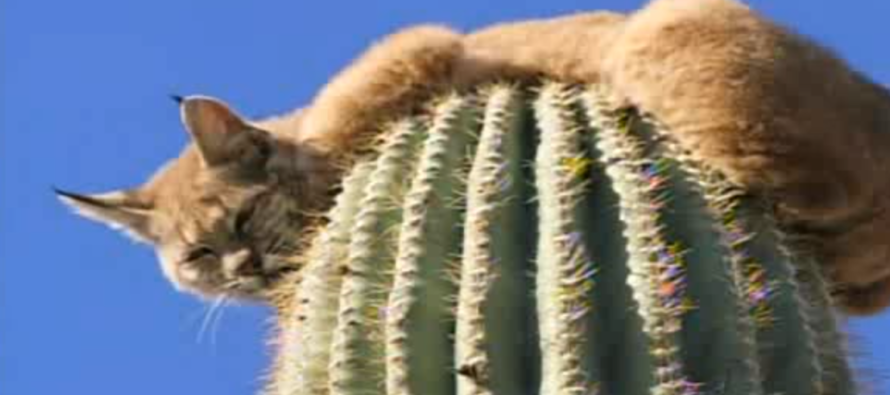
[
  {"x": 208, "y": 318},
  {"x": 195, "y": 315},
  {"x": 214, "y": 327}
]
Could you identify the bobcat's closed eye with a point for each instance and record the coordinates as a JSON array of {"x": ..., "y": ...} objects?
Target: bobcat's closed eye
[{"x": 199, "y": 253}]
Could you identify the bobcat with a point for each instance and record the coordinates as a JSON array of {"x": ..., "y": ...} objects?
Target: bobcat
[{"x": 778, "y": 114}]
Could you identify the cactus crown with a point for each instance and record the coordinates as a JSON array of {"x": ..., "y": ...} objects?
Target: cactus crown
[{"x": 548, "y": 243}]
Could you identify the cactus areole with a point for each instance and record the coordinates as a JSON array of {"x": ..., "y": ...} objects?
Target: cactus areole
[{"x": 546, "y": 242}]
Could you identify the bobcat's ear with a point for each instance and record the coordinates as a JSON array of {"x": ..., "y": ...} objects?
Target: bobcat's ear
[
  {"x": 219, "y": 133},
  {"x": 124, "y": 210}
]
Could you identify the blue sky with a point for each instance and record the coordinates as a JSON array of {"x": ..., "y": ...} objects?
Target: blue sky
[{"x": 84, "y": 105}]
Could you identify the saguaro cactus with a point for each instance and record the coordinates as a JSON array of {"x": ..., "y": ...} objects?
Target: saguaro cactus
[{"x": 521, "y": 243}]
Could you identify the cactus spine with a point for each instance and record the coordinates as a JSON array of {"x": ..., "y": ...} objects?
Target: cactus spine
[{"x": 581, "y": 253}]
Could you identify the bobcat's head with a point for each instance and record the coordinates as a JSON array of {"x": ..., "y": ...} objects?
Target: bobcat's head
[{"x": 227, "y": 216}]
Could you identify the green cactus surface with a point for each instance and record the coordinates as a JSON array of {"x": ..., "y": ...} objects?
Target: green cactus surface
[{"x": 547, "y": 242}]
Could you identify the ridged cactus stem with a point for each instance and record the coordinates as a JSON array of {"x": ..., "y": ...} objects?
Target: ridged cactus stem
[
  {"x": 587, "y": 253},
  {"x": 565, "y": 274},
  {"x": 769, "y": 287},
  {"x": 419, "y": 321},
  {"x": 774, "y": 281},
  {"x": 357, "y": 365},
  {"x": 831, "y": 348},
  {"x": 494, "y": 292},
  {"x": 738, "y": 279},
  {"x": 303, "y": 365},
  {"x": 790, "y": 365},
  {"x": 717, "y": 324},
  {"x": 657, "y": 270}
]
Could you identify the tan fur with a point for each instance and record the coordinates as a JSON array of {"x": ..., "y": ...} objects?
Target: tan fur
[{"x": 778, "y": 114}]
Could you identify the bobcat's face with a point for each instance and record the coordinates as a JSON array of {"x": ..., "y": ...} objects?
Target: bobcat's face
[{"x": 226, "y": 217}]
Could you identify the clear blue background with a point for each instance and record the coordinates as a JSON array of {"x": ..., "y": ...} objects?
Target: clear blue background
[{"x": 84, "y": 106}]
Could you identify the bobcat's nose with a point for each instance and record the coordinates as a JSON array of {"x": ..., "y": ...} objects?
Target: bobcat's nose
[{"x": 242, "y": 263}]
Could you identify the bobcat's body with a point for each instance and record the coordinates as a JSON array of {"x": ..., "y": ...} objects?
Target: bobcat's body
[{"x": 776, "y": 113}]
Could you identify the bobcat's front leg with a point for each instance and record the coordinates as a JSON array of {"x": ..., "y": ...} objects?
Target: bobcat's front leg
[{"x": 388, "y": 81}]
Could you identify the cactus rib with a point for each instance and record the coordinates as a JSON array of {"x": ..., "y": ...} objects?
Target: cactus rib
[
  {"x": 307, "y": 333},
  {"x": 830, "y": 345},
  {"x": 565, "y": 273},
  {"x": 657, "y": 268},
  {"x": 357, "y": 363},
  {"x": 491, "y": 278},
  {"x": 418, "y": 321}
]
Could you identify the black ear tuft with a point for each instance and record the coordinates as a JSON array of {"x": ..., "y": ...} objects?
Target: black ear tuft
[
  {"x": 125, "y": 210},
  {"x": 78, "y": 197}
]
